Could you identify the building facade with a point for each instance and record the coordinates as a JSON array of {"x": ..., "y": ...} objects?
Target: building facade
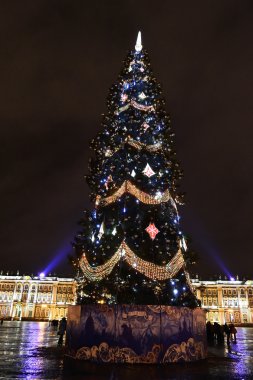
[
  {"x": 25, "y": 297},
  {"x": 226, "y": 301},
  {"x": 47, "y": 298}
]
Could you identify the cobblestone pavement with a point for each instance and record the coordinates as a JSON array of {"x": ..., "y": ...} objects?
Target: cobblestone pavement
[{"x": 28, "y": 350}]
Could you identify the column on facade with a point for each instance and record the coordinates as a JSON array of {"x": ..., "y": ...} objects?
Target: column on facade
[{"x": 220, "y": 305}]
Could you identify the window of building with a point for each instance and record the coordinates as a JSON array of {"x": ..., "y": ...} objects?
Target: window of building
[{"x": 229, "y": 292}]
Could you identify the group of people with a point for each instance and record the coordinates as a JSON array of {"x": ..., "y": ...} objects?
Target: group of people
[{"x": 215, "y": 333}]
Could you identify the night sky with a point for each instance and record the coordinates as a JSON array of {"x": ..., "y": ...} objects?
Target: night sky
[{"x": 58, "y": 60}]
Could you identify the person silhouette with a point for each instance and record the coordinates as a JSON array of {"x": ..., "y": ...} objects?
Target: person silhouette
[{"x": 61, "y": 330}]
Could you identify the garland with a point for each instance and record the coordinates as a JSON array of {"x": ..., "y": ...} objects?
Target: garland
[
  {"x": 128, "y": 187},
  {"x": 148, "y": 269},
  {"x": 135, "y": 144},
  {"x": 136, "y": 105}
]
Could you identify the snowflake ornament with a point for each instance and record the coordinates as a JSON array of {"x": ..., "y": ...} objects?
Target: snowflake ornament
[
  {"x": 152, "y": 230},
  {"x": 109, "y": 179},
  {"x": 124, "y": 97},
  {"x": 148, "y": 171},
  {"x": 142, "y": 95},
  {"x": 101, "y": 231},
  {"x": 145, "y": 126}
]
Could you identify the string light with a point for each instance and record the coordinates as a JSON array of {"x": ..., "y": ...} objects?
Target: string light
[
  {"x": 128, "y": 187},
  {"x": 136, "y": 105},
  {"x": 136, "y": 144},
  {"x": 148, "y": 269}
]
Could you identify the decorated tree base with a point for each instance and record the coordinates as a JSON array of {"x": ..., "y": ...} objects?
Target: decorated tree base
[{"x": 136, "y": 334}]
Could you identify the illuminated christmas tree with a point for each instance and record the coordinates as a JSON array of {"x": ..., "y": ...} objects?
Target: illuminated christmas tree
[{"x": 131, "y": 249}]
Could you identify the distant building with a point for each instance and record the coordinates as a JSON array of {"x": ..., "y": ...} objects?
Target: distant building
[
  {"x": 226, "y": 301},
  {"x": 47, "y": 298},
  {"x": 25, "y": 297}
]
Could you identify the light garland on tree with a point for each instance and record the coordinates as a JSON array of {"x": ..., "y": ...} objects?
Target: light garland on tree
[
  {"x": 148, "y": 269},
  {"x": 128, "y": 187},
  {"x": 188, "y": 280},
  {"x": 136, "y": 105},
  {"x": 138, "y": 145},
  {"x": 135, "y": 144},
  {"x": 141, "y": 107}
]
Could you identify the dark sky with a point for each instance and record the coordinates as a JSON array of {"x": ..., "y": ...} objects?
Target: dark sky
[{"x": 58, "y": 60}]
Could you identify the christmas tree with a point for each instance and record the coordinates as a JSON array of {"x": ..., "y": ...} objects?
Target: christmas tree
[{"x": 131, "y": 249}]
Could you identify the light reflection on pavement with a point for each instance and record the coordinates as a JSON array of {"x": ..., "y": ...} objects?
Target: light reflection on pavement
[
  {"x": 19, "y": 355},
  {"x": 28, "y": 350}
]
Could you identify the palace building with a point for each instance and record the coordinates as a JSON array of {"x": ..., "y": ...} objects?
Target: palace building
[
  {"x": 35, "y": 298},
  {"x": 226, "y": 301},
  {"x": 47, "y": 298}
]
